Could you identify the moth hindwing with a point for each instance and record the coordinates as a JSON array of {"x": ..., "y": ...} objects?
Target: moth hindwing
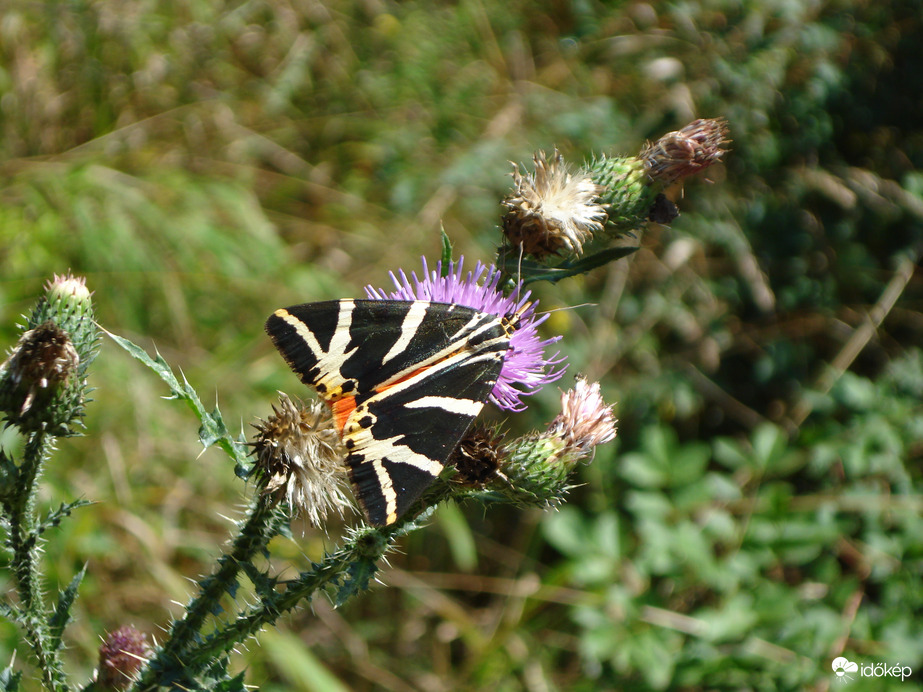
[{"x": 404, "y": 379}]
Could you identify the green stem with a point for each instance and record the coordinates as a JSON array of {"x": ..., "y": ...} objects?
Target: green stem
[
  {"x": 23, "y": 541},
  {"x": 367, "y": 546},
  {"x": 256, "y": 533},
  {"x": 304, "y": 587}
]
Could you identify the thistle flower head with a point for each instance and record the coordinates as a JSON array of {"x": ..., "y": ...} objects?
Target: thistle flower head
[
  {"x": 68, "y": 288},
  {"x": 552, "y": 210},
  {"x": 299, "y": 459},
  {"x": 526, "y": 369},
  {"x": 585, "y": 421},
  {"x": 43, "y": 382},
  {"x": 121, "y": 657},
  {"x": 539, "y": 464},
  {"x": 687, "y": 151}
]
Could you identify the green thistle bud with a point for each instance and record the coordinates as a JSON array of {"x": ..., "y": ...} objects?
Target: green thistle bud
[
  {"x": 538, "y": 466},
  {"x": 43, "y": 382},
  {"x": 627, "y": 190}
]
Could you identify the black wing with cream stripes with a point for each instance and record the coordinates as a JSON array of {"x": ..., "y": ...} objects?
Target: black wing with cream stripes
[{"x": 405, "y": 380}]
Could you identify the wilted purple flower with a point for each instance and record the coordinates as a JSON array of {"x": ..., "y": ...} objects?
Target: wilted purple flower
[
  {"x": 525, "y": 367},
  {"x": 687, "y": 151},
  {"x": 585, "y": 421}
]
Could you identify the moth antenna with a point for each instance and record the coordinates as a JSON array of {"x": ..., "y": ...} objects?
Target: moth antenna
[
  {"x": 570, "y": 307},
  {"x": 519, "y": 273}
]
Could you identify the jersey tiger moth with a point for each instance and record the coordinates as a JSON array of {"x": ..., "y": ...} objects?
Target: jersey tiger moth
[{"x": 404, "y": 379}]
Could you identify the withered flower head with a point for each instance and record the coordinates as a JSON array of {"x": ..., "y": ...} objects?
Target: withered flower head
[
  {"x": 585, "y": 421},
  {"x": 43, "y": 359},
  {"x": 687, "y": 151},
  {"x": 552, "y": 210},
  {"x": 121, "y": 657},
  {"x": 299, "y": 458},
  {"x": 478, "y": 457}
]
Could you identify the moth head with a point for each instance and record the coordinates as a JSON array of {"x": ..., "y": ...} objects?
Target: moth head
[{"x": 511, "y": 321}]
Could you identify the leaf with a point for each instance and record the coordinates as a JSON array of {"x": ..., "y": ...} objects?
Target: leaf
[
  {"x": 217, "y": 678},
  {"x": 299, "y": 667},
  {"x": 158, "y": 364},
  {"x": 263, "y": 584},
  {"x": 62, "y": 615},
  {"x": 458, "y": 536},
  {"x": 446, "y": 252},
  {"x": 9, "y": 679},
  {"x": 532, "y": 271},
  {"x": 566, "y": 530},
  {"x": 212, "y": 429},
  {"x": 54, "y": 517}
]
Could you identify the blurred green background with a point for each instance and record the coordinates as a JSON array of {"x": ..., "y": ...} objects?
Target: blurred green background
[{"x": 203, "y": 163}]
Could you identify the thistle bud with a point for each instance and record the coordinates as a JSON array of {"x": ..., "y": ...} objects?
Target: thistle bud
[
  {"x": 43, "y": 382},
  {"x": 633, "y": 185},
  {"x": 299, "y": 459}
]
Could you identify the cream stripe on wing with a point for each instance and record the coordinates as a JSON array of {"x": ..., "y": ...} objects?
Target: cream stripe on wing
[
  {"x": 466, "y": 407},
  {"x": 387, "y": 491},
  {"x": 409, "y": 327}
]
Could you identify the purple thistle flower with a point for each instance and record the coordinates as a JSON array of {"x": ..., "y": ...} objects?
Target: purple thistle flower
[{"x": 525, "y": 367}]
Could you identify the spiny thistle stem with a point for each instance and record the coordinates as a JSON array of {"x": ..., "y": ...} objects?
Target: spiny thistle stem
[
  {"x": 20, "y": 508},
  {"x": 261, "y": 525},
  {"x": 364, "y": 549},
  {"x": 334, "y": 566}
]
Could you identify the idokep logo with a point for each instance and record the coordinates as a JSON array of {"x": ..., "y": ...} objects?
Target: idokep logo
[{"x": 845, "y": 670}]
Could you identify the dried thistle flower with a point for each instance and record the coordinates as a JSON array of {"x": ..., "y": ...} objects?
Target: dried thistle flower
[
  {"x": 299, "y": 458},
  {"x": 121, "y": 657},
  {"x": 42, "y": 360},
  {"x": 478, "y": 457},
  {"x": 552, "y": 210},
  {"x": 687, "y": 151}
]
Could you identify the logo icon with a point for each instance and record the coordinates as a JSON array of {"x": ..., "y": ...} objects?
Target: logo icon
[{"x": 841, "y": 666}]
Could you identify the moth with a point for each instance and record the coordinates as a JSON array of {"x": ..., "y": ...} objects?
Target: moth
[{"x": 404, "y": 380}]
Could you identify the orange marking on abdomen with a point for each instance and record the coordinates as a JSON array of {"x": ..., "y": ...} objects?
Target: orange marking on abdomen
[{"x": 341, "y": 410}]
